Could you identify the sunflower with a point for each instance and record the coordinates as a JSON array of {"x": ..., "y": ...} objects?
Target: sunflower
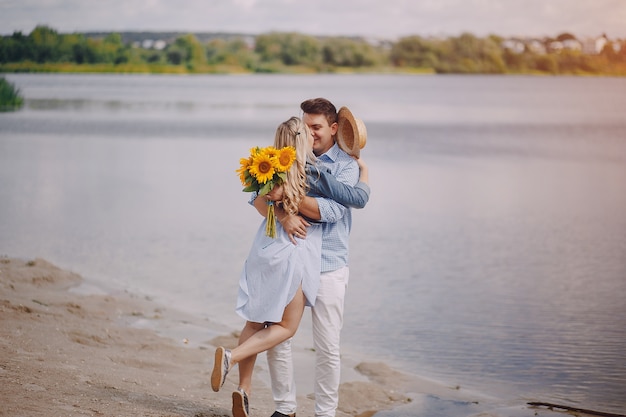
[
  {"x": 271, "y": 151},
  {"x": 262, "y": 167},
  {"x": 242, "y": 171},
  {"x": 285, "y": 158}
]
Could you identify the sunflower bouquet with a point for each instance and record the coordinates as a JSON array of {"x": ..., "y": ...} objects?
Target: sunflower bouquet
[{"x": 262, "y": 170}]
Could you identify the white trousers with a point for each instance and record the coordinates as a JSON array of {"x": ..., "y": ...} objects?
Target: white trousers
[{"x": 327, "y": 319}]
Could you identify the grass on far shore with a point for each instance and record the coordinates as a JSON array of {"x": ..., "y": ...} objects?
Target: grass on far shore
[{"x": 27, "y": 66}]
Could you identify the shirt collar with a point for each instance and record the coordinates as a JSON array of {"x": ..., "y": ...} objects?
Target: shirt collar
[{"x": 331, "y": 154}]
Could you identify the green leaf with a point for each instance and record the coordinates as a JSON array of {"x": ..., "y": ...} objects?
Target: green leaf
[
  {"x": 250, "y": 188},
  {"x": 266, "y": 188}
]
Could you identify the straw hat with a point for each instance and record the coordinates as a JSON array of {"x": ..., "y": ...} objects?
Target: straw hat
[{"x": 351, "y": 133}]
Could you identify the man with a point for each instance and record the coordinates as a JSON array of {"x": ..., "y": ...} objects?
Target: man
[{"x": 320, "y": 115}]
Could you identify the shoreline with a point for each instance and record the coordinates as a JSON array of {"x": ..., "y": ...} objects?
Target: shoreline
[{"x": 67, "y": 349}]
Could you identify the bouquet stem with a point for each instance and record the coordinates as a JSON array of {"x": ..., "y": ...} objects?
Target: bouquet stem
[{"x": 270, "y": 227}]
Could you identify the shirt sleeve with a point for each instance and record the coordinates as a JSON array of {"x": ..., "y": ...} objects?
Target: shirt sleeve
[
  {"x": 330, "y": 210},
  {"x": 253, "y": 197},
  {"x": 323, "y": 184}
]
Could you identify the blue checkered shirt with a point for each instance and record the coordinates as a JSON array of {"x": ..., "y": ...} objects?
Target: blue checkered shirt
[{"x": 337, "y": 219}]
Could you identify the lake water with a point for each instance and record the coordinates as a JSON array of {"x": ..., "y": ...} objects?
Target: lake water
[{"x": 492, "y": 253}]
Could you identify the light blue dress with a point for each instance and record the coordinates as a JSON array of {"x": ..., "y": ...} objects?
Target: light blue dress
[{"x": 274, "y": 270}]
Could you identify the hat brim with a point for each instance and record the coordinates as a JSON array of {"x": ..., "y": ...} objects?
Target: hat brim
[{"x": 351, "y": 132}]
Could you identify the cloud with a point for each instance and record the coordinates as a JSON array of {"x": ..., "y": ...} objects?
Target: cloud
[
  {"x": 245, "y": 4},
  {"x": 389, "y": 19}
]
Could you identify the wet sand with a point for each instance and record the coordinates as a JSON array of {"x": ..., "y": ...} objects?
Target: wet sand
[{"x": 69, "y": 352}]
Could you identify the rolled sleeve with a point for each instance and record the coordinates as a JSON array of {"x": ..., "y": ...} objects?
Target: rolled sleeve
[
  {"x": 253, "y": 197},
  {"x": 330, "y": 211},
  {"x": 323, "y": 184}
]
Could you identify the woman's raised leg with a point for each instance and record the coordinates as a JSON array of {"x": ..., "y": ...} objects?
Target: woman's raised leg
[
  {"x": 256, "y": 338},
  {"x": 274, "y": 334}
]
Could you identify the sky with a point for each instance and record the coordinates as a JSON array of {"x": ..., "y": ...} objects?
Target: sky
[{"x": 383, "y": 19}]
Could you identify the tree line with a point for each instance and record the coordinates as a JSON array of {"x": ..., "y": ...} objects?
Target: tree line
[{"x": 44, "y": 49}]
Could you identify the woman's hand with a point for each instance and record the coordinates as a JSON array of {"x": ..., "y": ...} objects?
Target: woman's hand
[
  {"x": 364, "y": 172},
  {"x": 276, "y": 194},
  {"x": 361, "y": 163}
]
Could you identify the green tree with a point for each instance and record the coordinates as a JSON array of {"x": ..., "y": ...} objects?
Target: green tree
[
  {"x": 609, "y": 53},
  {"x": 565, "y": 37},
  {"x": 187, "y": 49},
  {"x": 545, "y": 63},
  {"x": 288, "y": 48},
  {"x": 175, "y": 55},
  {"x": 514, "y": 61},
  {"x": 414, "y": 51},
  {"x": 348, "y": 53},
  {"x": 469, "y": 54},
  {"x": 17, "y": 48},
  {"x": 153, "y": 58},
  {"x": 81, "y": 53},
  {"x": 66, "y": 45},
  {"x": 621, "y": 53},
  {"x": 112, "y": 49},
  {"x": 45, "y": 42},
  {"x": 216, "y": 51},
  {"x": 233, "y": 52},
  {"x": 569, "y": 62}
]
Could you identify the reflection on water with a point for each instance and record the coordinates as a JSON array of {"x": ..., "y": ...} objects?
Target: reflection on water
[
  {"x": 492, "y": 253},
  {"x": 91, "y": 105}
]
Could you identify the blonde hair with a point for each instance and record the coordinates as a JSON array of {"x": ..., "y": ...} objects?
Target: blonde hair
[{"x": 294, "y": 132}]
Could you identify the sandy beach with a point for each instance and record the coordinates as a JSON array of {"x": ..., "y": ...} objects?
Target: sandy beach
[{"x": 67, "y": 352}]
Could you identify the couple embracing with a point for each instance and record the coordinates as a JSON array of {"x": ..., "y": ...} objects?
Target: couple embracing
[{"x": 305, "y": 264}]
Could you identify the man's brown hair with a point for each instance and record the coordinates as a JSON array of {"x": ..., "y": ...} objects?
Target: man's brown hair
[{"x": 320, "y": 106}]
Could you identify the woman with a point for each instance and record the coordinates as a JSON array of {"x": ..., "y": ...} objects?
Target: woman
[{"x": 279, "y": 278}]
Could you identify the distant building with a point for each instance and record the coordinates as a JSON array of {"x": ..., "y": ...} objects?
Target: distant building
[
  {"x": 555, "y": 46},
  {"x": 593, "y": 46},
  {"x": 514, "y": 45},
  {"x": 250, "y": 41},
  {"x": 518, "y": 46},
  {"x": 536, "y": 46},
  {"x": 150, "y": 44},
  {"x": 572, "y": 45},
  {"x": 379, "y": 42}
]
